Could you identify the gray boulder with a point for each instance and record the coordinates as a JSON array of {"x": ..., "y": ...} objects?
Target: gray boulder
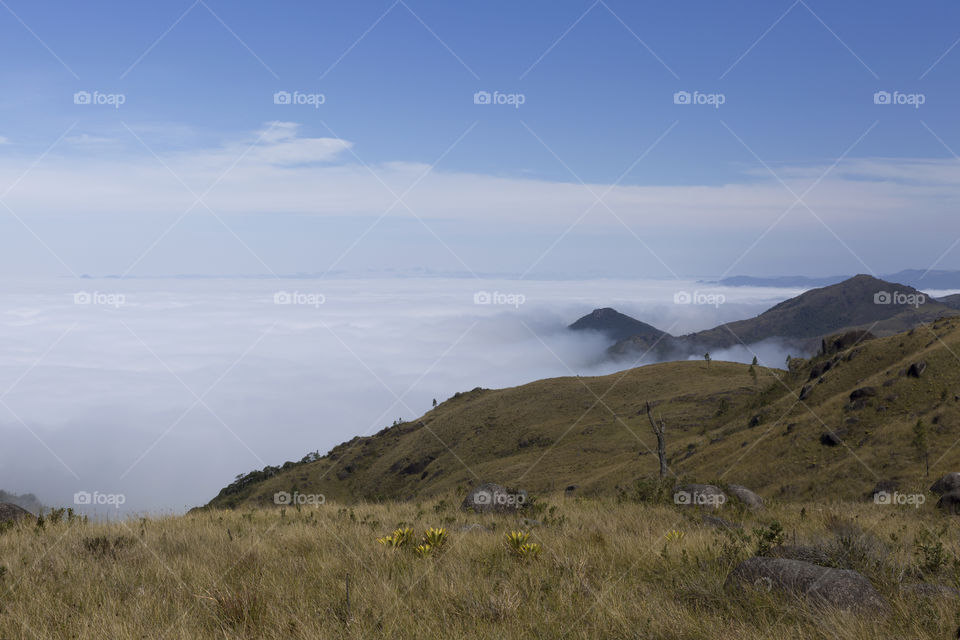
[
  {"x": 833, "y": 438},
  {"x": 950, "y": 502},
  {"x": 841, "y": 588},
  {"x": 946, "y": 484},
  {"x": 747, "y": 497},
  {"x": 493, "y": 498},
  {"x": 863, "y": 392},
  {"x": 916, "y": 369},
  {"x": 13, "y": 513}
]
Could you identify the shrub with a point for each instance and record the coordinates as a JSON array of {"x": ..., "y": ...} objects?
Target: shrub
[
  {"x": 932, "y": 557},
  {"x": 102, "y": 546},
  {"x": 768, "y": 537}
]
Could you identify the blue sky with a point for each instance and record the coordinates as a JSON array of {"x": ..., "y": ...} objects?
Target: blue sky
[{"x": 691, "y": 189}]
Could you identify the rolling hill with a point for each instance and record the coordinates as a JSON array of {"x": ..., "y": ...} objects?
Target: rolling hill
[
  {"x": 853, "y": 428},
  {"x": 952, "y": 301}
]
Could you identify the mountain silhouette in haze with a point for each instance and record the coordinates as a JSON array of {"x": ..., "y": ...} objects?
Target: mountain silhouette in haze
[
  {"x": 616, "y": 326},
  {"x": 800, "y": 323},
  {"x": 919, "y": 278}
]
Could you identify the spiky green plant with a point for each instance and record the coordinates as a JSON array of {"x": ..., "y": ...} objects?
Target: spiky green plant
[
  {"x": 400, "y": 537},
  {"x": 516, "y": 539},
  {"x": 518, "y": 542},
  {"x": 435, "y": 538}
]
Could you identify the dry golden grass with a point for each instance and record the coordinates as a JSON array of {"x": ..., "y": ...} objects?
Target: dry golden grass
[{"x": 608, "y": 569}]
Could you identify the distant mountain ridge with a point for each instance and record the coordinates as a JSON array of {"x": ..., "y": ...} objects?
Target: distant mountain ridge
[
  {"x": 862, "y": 302},
  {"x": 917, "y": 278}
]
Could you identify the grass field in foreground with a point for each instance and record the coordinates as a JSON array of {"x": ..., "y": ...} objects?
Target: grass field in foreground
[{"x": 607, "y": 569}]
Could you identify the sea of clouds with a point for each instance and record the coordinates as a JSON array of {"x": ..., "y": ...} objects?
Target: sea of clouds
[{"x": 151, "y": 395}]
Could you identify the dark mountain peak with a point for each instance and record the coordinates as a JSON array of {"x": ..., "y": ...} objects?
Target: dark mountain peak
[
  {"x": 605, "y": 313},
  {"x": 615, "y": 325}
]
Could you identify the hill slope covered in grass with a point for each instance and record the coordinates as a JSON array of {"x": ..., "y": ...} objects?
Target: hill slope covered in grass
[{"x": 723, "y": 425}]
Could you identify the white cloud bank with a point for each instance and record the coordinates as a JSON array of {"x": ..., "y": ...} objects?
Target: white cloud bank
[
  {"x": 278, "y": 171},
  {"x": 104, "y": 398}
]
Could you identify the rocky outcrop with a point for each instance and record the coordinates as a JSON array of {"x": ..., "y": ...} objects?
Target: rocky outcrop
[
  {"x": 947, "y": 483},
  {"x": 13, "y": 513},
  {"x": 841, "y": 588},
  {"x": 751, "y": 500}
]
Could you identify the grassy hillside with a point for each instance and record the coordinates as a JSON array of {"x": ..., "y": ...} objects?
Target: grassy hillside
[
  {"x": 723, "y": 425},
  {"x": 607, "y": 569},
  {"x": 952, "y": 301}
]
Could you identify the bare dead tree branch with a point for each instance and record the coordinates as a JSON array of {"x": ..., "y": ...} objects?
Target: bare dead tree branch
[{"x": 658, "y": 430}]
